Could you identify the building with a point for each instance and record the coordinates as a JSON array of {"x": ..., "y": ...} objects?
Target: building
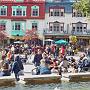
[
  {"x": 52, "y": 19},
  {"x": 62, "y": 20},
  {"x": 17, "y": 16}
]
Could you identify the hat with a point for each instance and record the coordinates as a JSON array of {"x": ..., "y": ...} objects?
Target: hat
[{"x": 43, "y": 61}]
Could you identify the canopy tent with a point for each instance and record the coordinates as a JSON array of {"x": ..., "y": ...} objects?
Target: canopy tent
[
  {"x": 18, "y": 42},
  {"x": 61, "y": 42},
  {"x": 49, "y": 40}
]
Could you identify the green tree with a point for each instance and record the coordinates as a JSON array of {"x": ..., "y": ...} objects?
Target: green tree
[
  {"x": 83, "y": 6},
  {"x": 3, "y": 35}
]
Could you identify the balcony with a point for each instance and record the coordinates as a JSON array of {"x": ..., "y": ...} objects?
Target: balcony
[
  {"x": 65, "y": 32},
  {"x": 17, "y": 33},
  {"x": 81, "y": 33},
  {"x": 48, "y": 32}
]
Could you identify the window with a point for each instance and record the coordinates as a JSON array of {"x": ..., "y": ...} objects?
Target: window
[
  {"x": 84, "y": 27},
  {"x": 2, "y": 26},
  {"x": 51, "y": 28},
  {"x": 62, "y": 14},
  {"x": 13, "y": 13},
  {"x": 73, "y": 28},
  {"x": 62, "y": 28},
  {"x": 35, "y": 11},
  {"x": 3, "y": 10},
  {"x": 19, "y": 10},
  {"x": 56, "y": 12},
  {"x": 34, "y": 26},
  {"x": 51, "y": 13},
  {"x": 17, "y": 26},
  {"x": 78, "y": 13},
  {"x": 58, "y": 0},
  {"x": 19, "y": 0},
  {"x": 79, "y": 27},
  {"x": 56, "y": 27}
]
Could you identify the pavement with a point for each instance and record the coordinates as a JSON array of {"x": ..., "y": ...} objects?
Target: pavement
[{"x": 28, "y": 68}]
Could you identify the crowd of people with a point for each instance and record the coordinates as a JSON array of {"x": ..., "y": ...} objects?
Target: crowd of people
[{"x": 47, "y": 59}]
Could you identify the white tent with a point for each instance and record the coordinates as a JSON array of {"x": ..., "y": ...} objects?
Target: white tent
[
  {"x": 49, "y": 40},
  {"x": 18, "y": 42}
]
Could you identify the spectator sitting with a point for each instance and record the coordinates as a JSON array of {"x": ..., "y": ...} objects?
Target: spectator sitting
[
  {"x": 83, "y": 63},
  {"x": 44, "y": 67},
  {"x": 54, "y": 66},
  {"x": 64, "y": 64},
  {"x": 72, "y": 68},
  {"x": 6, "y": 69}
]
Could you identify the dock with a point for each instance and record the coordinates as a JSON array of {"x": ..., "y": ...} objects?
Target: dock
[
  {"x": 45, "y": 79},
  {"x": 76, "y": 77},
  {"x": 30, "y": 79},
  {"x": 7, "y": 81},
  {"x": 42, "y": 79}
]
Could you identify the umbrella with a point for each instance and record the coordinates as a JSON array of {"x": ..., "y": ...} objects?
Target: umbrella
[{"x": 61, "y": 42}]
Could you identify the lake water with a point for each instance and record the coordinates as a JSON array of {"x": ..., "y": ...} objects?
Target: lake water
[{"x": 60, "y": 86}]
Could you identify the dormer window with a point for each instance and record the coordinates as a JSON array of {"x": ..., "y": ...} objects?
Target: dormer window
[
  {"x": 56, "y": 11},
  {"x": 77, "y": 13}
]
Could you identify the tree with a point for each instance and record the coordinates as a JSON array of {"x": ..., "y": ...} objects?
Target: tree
[
  {"x": 3, "y": 35},
  {"x": 30, "y": 34},
  {"x": 83, "y": 6}
]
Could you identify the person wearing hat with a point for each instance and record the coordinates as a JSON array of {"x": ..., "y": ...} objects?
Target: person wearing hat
[{"x": 44, "y": 67}]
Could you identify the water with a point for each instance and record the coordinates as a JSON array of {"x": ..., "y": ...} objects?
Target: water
[{"x": 60, "y": 86}]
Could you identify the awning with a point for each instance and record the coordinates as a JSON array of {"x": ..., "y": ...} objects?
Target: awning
[{"x": 16, "y": 37}]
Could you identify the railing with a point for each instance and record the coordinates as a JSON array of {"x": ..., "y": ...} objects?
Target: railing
[
  {"x": 60, "y": 1},
  {"x": 48, "y": 32},
  {"x": 65, "y": 32},
  {"x": 87, "y": 33}
]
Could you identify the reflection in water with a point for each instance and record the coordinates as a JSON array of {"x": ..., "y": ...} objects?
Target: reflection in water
[
  {"x": 57, "y": 88},
  {"x": 61, "y": 86}
]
